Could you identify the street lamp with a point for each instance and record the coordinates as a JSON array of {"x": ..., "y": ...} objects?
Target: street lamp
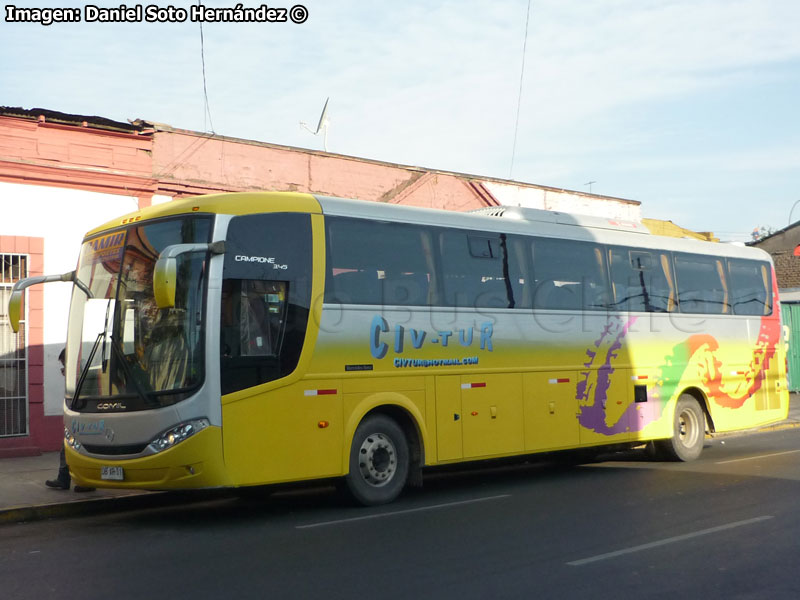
[{"x": 589, "y": 183}]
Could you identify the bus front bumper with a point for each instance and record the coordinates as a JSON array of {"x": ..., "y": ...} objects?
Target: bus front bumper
[{"x": 193, "y": 463}]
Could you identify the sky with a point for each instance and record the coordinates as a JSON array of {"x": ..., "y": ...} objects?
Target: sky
[{"x": 688, "y": 106}]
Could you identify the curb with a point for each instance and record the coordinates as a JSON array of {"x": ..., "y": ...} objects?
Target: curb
[
  {"x": 779, "y": 427},
  {"x": 765, "y": 429},
  {"x": 97, "y": 506}
]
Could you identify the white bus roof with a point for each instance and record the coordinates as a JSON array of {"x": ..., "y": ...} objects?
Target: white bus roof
[{"x": 530, "y": 221}]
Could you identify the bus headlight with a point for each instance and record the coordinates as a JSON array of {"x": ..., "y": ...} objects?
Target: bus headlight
[
  {"x": 178, "y": 433},
  {"x": 72, "y": 441}
]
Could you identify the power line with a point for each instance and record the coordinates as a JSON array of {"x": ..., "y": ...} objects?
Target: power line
[
  {"x": 519, "y": 96},
  {"x": 205, "y": 88}
]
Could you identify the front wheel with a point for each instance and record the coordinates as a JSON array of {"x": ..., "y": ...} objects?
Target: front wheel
[
  {"x": 688, "y": 433},
  {"x": 378, "y": 461}
]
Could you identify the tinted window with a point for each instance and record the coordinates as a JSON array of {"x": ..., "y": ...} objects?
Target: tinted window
[
  {"x": 266, "y": 294},
  {"x": 478, "y": 270},
  {"x": 750, "y": 287},
  {"x": 372, "y": 262},
  {"x": 569, "y": 275},
  {"x": 253, "y": 316},
  {"x": 701, "y": 284},
  {"x": 640, "y": 280}
]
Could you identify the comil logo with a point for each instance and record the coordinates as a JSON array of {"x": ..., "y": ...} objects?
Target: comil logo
[{"x": 111, "y": 406}]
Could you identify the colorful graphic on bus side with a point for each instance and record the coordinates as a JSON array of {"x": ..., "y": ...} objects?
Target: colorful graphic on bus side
[{"x": 698, "y": 352}]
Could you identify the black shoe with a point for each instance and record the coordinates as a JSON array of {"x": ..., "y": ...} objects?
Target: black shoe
[
  {"x": 82, "y": 488},
  {"x": 56, "y": 484}
]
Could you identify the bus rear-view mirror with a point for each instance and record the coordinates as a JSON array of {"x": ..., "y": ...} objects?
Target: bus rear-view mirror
[
  {"x": 165, "y": 272},
  {"x": 15, "y": 309},
  {"x": 15, "y": 301},
  {"x": 165, "y": 276}
]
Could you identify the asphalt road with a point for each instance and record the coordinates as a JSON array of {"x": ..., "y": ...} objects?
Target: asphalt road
[{"x": 726, "y": 526}]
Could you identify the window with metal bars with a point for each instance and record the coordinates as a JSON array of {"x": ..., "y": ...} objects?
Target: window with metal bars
[{"x": 13, "y": 355}]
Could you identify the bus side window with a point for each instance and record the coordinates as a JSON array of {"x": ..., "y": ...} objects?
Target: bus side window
[
  {"x": 639, "y": 281},
  {"x": 266, "y": 295},
  {"x": 476, "y": 269},
  {"x": 701, "y": 284},
  {"x": 569, "y": 275},
  {"x": 751, "y": 287},
  {"x": 253, "y": 315},
  {"x": 378, "y": 263}
]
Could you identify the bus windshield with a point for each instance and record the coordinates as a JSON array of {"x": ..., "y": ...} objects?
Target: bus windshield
[{"x": 123, "y": 352}]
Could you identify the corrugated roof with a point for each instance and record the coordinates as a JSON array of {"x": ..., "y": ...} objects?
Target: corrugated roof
[{"x": 54, "y": 116}]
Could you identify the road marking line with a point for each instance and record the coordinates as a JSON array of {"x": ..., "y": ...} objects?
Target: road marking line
[
  {"x": 723, "y": 462},
  {"x": 671, "y": 540},
  {"x": 402, "y": 512}
]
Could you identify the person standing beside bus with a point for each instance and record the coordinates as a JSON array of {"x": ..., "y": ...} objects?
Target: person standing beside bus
[{"x": 63, "y": 479}]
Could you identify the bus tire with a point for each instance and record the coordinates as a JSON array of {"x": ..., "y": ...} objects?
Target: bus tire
[
  {"x": 688, "y": 432},
  {"x": 379, "y": 461}
]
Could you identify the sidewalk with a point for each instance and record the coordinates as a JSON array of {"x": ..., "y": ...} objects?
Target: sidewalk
[{"x": 24, "y": 496}]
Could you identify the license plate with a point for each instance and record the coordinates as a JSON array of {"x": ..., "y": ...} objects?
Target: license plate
[{"x": 112, "y": 473}]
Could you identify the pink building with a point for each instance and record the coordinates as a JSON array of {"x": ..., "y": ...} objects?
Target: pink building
[{"x": 62, "y": 174}]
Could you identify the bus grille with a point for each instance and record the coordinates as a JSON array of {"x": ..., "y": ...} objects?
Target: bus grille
[{"x": 115, "y": 450}]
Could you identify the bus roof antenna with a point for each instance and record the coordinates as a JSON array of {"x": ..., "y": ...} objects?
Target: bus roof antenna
[{"x": 322, "y": 124}]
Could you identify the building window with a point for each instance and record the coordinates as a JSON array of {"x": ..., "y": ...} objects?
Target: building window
[{"x": 13, "y": 357}]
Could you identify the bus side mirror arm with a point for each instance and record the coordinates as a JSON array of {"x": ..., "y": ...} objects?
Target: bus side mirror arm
[
  {"x": 15, "y": 301},
  {"x": 165, "y": 273}
]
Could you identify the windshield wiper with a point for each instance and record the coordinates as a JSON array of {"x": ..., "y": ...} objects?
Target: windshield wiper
[{"x": 100, "y": 337}]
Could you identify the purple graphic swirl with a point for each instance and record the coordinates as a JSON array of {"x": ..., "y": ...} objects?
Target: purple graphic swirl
[{"x": 594, "y": 383}]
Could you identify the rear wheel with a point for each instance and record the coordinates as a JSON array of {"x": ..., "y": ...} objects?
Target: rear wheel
[
  {"x": 688, "y": 433},
  {"x": 378, "y": 461}
]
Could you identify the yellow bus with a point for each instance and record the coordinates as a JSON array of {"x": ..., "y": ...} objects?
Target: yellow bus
[{"x": 257, "y": 338}]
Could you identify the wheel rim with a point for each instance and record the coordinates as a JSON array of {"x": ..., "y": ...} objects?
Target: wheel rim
[
  {"x": 377, "y": 460},
  {"x": 688, "y": 428}
]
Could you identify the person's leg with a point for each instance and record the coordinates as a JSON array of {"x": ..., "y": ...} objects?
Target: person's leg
[{"x": 63, "y": 480}]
